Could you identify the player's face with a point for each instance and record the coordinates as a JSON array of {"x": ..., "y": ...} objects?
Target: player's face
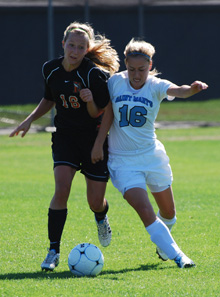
[
  {"x": 75, "y": 48},
  {"x": 138, "y": 70}
]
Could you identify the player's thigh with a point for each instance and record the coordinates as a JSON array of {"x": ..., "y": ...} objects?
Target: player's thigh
[
  {"x": 66, "y": 150},
  {"x": 165, "y": 202},
  {"x": 125, "y": 180},
  {"x": 98, "y": 171}
]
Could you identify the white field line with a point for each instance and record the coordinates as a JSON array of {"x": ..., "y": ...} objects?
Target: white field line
[
  {"x": 158, "y": 125},
  {"x": 191, "y": 137}
]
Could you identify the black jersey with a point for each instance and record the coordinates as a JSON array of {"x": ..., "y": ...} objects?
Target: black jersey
[{"x": 63, "y": 88}]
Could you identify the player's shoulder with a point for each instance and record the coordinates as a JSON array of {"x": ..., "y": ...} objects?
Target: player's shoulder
[
  {"x": 158, "y": 87},
  {"x": 155, "y": 80},
  {"x": 152, "y": 79},
  {"x": 90, "y": 67},
  {"x": 87, "y": 66},
  {"x": 117, "y": 82},
  {"x": 50, "y": 66},
  {"x": 118, "y": 77},
  {"x": 89, "y": 71}
]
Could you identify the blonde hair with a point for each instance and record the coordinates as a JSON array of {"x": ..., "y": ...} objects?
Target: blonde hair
[
  {"x": 100, "y": 50},
  {"x": 140, "y": 47}
]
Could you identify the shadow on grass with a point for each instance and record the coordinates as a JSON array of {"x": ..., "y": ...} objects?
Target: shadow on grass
[
  {"x": 36, "y": 275},
  {"x": 125, "y": 270},
  {"x": 68, "y": 274}
]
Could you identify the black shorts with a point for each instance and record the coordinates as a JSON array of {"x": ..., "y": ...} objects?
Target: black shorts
[{"x": 75, "y": 151}]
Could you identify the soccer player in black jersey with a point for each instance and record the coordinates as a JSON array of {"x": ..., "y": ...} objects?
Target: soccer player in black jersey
[{"x": 76, "y": 85}]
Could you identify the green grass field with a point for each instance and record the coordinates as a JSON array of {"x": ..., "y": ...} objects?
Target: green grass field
[
  {"x": 206, "y": 111},
  {"x": 131, "y": 266}
]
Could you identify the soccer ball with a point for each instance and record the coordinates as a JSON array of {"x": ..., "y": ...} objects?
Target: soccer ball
[{"x": 85, "y": 259}]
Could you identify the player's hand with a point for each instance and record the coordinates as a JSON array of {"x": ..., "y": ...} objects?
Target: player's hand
[
  {"x": 86, "y": 95},
  {"x": 24, "y": 126},
  {"x": 97, "y": 154},
  {"x": 198, "y": 86}
]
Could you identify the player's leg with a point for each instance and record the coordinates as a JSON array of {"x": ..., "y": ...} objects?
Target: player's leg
[
  {"x": 162, "y": 237},
  {"x": 138, "y": 199},
  {"x": 96, "y": 196},
  {"x": 159, "y": 233},
  {"x": 159, "y": 178},
  {"x": 166, "y": 212},
  {"x": 63, "y": 176},
  {"x": 97, "y": 176},
  {"x": 57, "y": 214},
  {"x": 166, "y": 204},
  {"x": 58, "y": 207},
  {"x": 99, "y": 205}
]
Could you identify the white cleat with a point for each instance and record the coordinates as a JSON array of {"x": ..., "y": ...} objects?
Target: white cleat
[
  {"x": 104, "y": 232},
  {"x": 161, "y": 254},
  {"x": 51, "y": 261},
  {"x": 183, "y": 261}
]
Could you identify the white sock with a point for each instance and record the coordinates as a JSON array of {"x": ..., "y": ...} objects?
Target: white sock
[
  {"x": 161, "y": 236},
  {"x": 168, "y": 222}
]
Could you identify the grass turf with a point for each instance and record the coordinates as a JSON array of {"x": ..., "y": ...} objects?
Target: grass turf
[
  {"x": 131, "y": 266},
  {"x": 190, "y": 110}
]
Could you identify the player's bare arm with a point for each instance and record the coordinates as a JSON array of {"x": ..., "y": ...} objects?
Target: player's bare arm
[
  {"x": 97, "y": 151},
  {"x": 186, "y": 91},
  {"x": 43, "y": 107},
  {"x": 86, "y": 96}
]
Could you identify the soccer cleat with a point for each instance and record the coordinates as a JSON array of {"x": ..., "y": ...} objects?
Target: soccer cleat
[
  {"x": 183, "y": 261},
  {"x": 51, "y": 261},
  {"x": 161, "y": 254},
  {"x": 104, "y": 232}
]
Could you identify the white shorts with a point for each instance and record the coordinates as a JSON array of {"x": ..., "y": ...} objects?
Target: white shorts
[{"x": 150, "y": 168}]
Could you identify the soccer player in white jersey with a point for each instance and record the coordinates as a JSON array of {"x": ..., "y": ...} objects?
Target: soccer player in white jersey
[{"x": 136, "y": 157}]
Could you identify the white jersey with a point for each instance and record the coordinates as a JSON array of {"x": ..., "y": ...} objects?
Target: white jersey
[{"x": 135, "y": 112}]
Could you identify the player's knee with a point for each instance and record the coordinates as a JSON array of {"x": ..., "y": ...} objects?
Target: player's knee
[
  {"x": 96, "y": 206},
  {"x": 62, "y": 193},
  {"x": 170, "y": 214},
  {"x": 96, "y": 203}
]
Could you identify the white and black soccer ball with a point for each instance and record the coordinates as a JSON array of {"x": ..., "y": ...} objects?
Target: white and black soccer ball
[{"x": 85, "y": 259}]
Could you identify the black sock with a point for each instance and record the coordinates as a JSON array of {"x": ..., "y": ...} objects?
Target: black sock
[
  {"x": 101, "y": 215},
  {"x": 56, "y": 222}
]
